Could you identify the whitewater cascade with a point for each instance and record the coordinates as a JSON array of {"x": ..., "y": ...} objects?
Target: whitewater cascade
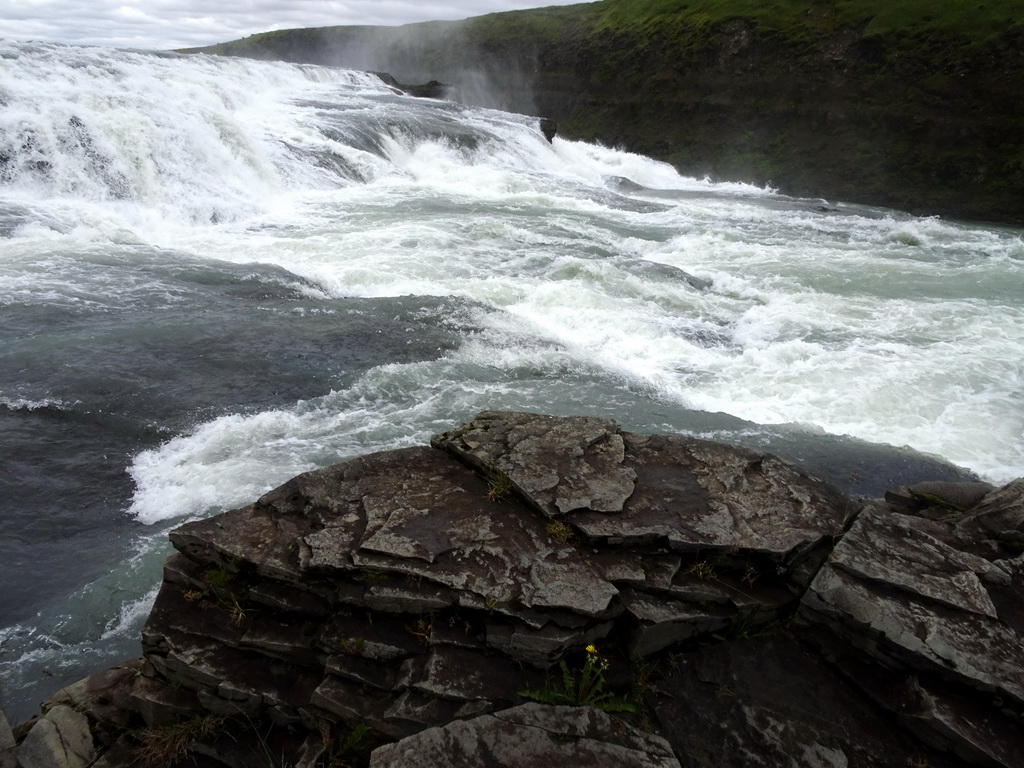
[{"x": 216, "y": 273}]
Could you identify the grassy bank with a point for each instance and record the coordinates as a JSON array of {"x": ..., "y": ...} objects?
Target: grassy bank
[{"x": 917, "y": 104}]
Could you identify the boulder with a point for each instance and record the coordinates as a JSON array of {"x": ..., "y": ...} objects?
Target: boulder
[
  {"x": 8, "y": 744},
  {"x": 430, "y": 90},
  {"x": 549, "y": 128},
  {"x": 103, "y": 698}
]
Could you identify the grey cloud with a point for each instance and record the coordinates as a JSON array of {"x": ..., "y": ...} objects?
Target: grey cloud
[{"x": 165, "y": 24}]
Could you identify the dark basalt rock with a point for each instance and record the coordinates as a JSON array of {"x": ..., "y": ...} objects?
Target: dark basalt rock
[
  {"x": 559, "y": 465},
  {"x": 549, "y": 128},
  {"x": 431, "y": 90},
  {"x": 769, "y": 700},
  {"x": 941, "y": 603},
  {"x": 531, "y": 734},
  {"x": 412, "y": 597}
]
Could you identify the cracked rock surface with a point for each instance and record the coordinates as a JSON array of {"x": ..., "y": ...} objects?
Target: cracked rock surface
[{"x": 937, "y": 597}]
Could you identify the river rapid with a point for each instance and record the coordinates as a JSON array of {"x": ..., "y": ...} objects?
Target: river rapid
[{"x": 217, "y": 273}]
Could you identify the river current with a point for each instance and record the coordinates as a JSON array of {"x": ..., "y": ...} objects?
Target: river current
[{"x": 217, "y": 273}]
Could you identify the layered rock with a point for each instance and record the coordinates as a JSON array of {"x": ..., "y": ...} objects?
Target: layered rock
[
  {"x": 936, "y": 598},
  {"x": 402, "y": 590},
  {"x": 530, "y": 734},
  {"x": 409, "y": 602}
]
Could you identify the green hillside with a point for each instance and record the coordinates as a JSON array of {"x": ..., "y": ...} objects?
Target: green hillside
[{"x": 915, "y": 104}]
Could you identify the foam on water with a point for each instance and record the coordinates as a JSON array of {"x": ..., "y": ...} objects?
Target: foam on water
[
  {"x": 93, "y": 629},
  {"x": 16, "y": 404},
  {"x": 829, "y": 320},
  {"x": 838, "y": 317},
  {"x": 197, "y": 140}
]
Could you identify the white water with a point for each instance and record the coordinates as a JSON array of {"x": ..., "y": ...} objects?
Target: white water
[{"x": 582, "y": 279}]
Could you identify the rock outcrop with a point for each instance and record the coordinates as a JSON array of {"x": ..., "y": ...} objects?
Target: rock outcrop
[
  {"x": 442, "y": 605},
  {"x": 430, "y": 90},
  {"x": 939, "y": 605}
]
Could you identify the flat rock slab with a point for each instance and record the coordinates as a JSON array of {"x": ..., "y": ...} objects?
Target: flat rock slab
[
  {"x": 625, "y": 489},
  {"x": 559, "y": 465},
  {"x": 701, "y": 496},
  {"x": 416, "y": 515},
  {"x": 924, "y": 602},
  {"x": 531, "y": 734}
]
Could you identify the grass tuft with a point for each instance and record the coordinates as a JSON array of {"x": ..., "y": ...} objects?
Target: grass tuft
[{"x": 166, "y": 745}]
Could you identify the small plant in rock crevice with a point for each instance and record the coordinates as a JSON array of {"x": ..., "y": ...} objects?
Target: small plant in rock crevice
[
  {"x": 499, "y": 487},
  {"x": 338, "y": 753},
  {"x": 237, "y": 613},
  {"x": 353, "y": 646},
  {"x": 750, "y": 576},
  {"x": 583, "y": 687},
  {"x": 166, "y": 745},
  {"x": 703, "y": 570},
  {"x": 422, "y": 630},
  {"x": 219, "y": 578},
  {"x": 559, "y": 531}
]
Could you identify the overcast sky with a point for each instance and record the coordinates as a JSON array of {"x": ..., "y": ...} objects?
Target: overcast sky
[{"x": 164, "y": 24}]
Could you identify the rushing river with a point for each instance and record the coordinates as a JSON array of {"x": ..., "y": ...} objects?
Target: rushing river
[{"x": 217, "y": 273}]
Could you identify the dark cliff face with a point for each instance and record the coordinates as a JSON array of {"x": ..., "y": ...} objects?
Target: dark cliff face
[
  {"x": 925, "y": 117},
  {"x": 843, "y": 116}
]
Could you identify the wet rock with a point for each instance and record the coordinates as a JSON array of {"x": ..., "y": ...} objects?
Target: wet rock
[
  {"x": 531, "y": 734},
  {"x": 409, "y": 592},
  {"x": 893, "y": 585},
  {"x": 161, "y": 704},
  {"x": 104, "y": 697},
  {"x": 549, "y": 128},
  {"x": 661, "y": 623},
  {"x": 942, "y": 499},
  {"x": 714, "y": 499},
  {"x": 997, "y": 516},
  {"x": 656, "y": 271},
  {"x": 430, "y": 90},
  {"x": 942, "y": 716},
  {"x": 8, "y": 745}
]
